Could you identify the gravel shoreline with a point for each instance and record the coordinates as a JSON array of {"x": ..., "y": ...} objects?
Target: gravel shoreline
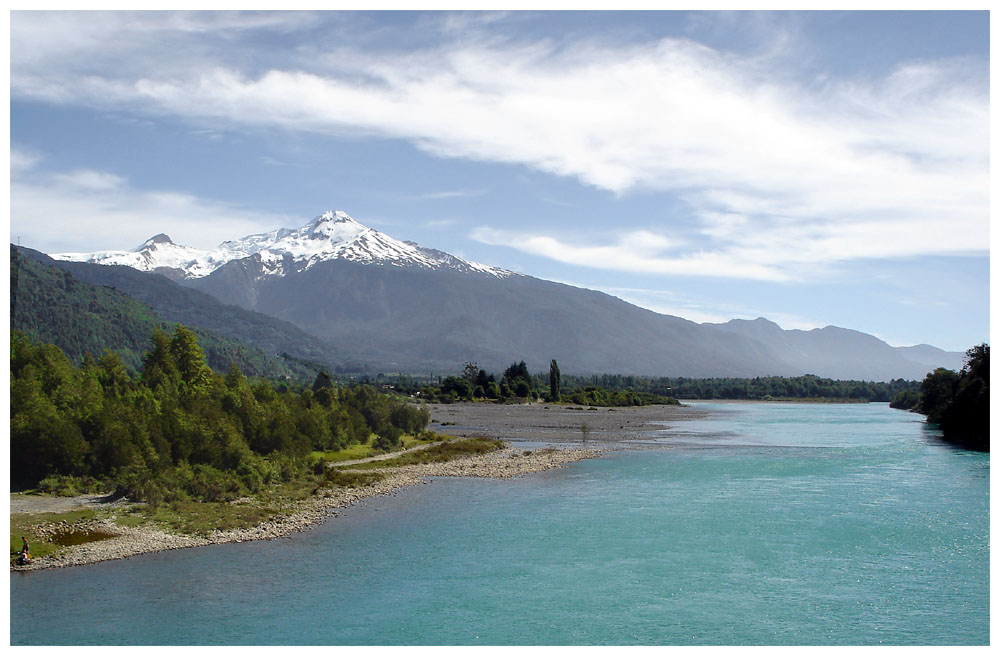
[
  {"x": 132, "y": 541},
  {"x": 557, "y": 425}
]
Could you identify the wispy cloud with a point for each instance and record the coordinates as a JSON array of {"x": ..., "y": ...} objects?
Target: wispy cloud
[
  {"x": 635, "y": 252},
  {"x": 781, "y": 175},
  {"x": 22, "y": 159},
  {"x": 73, "y": 211}
]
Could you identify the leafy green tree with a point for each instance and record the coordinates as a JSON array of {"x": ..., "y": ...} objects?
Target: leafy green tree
[
  {"x": 459, "y": 388},
  {"x": 936, "y": 393},
  {"x": 966, "y": 419},
  {"x": 470, "y": 371}
]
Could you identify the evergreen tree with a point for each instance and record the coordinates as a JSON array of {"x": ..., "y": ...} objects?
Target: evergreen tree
[
  {"x": 554, "y": 380},
  {"x": 322, "y": 380},
  {"x": 190, "y": 360}
]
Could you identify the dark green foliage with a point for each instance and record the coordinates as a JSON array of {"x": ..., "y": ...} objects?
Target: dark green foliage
[
  {"x": 180, "y": 430},
  {"x": 457, "y": 388},
  {"x": 519, "y": 380},
  {"x": 755, "y": 389},
  {"x": 554, "y": 381},
  {"x": 905, "y": 400},
  {"x": 206, "y": 315},
  {"x": 322, "y": 380},
  {"x": 611, "y": 390},
  {"x": 50, "y": 305},
  {"x": 598, "y": 396},
  {"x": 960, "y": 403},
  {"x": 936, "y": 393}
]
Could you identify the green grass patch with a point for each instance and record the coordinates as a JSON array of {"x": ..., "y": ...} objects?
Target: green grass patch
[
  {"x": 438, "y": 453},
  {"x": 201, "y": 518},
  {"x": 353, "y": 452},
  {"x": 360, "y": 451},
  {"x": 131, "y": 518},
  {"x": 25, "y": 524}
]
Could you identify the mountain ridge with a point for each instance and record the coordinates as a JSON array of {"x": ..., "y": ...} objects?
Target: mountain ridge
[
  {"x": 51, "y": 305},
  {"x": 333, "y": 235},
  {"x": 404, "y": 307},
  {"x": 182, "y": 304}
]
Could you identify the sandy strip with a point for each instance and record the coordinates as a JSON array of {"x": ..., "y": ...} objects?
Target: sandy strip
[{"x": 506, "y": 463}]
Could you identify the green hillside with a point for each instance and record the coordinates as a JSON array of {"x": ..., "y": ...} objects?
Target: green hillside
[{"x": 51, "y": 306}]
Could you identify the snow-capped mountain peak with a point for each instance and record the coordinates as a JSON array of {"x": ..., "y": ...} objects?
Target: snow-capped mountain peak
[{"x": 333, "y": 235}]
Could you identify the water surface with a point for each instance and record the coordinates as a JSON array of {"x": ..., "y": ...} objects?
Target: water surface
[{"x": 760, "y": 524}]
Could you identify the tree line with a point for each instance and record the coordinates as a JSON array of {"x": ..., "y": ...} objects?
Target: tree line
[
  {"x": 958, "y": 402},
  {"x": 761, "y": 388},
  {"x": 517, "y": 384},
  {"x": 180, "y": 429}
]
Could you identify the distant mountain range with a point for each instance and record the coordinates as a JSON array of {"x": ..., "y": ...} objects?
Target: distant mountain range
[
  {"x": 364, "y": 297},
  {"x": 331, "y": 236}
]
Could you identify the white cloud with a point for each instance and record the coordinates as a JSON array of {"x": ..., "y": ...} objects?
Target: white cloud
[
  {"x": 86, "y": 179},
  {"x": 89, "y": 210},
  {"x": 784, "y": 176},
  {"x": 634, "y": 252},
  {"x": 23, "y": 160}
]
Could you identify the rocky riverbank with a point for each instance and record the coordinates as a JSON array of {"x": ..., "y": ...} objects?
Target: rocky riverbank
[{"x": 131, "y": 541}]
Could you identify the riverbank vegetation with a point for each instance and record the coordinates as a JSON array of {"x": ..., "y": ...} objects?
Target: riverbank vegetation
[
  {"x": 959, "y": 403},
  {"x": 445, "y": 452},
  {"x": 761, "y": 388},
  {"x": 616, "y": 390},
  {"x": 517, "y": 385},
  {"x": 179, "y": 431}
]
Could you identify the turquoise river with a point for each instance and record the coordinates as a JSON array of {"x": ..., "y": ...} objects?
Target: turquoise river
[{"x": 760, "y": 524}]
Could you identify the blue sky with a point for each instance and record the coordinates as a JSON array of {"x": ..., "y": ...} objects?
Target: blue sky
[{"x": 815, "y": 168}]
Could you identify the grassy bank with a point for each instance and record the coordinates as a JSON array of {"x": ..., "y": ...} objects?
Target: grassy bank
[
  {"x": 368, "y": 450},
  {"x": 439, "y": 453},
  {"x": 45, "y": 542},
  {"x": 48, "y": 533}
]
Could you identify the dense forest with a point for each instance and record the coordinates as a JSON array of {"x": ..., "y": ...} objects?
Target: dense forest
[
  {"x": 959, "y": 403},
  {"x": 179, "y": 429},
  {"x": 52, "y": 306}
]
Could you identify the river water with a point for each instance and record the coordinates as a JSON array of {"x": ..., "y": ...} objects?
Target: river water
[{"x": 760, "y": 524}]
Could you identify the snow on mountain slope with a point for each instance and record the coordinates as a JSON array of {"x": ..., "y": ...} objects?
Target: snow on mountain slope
[{"x": 331, "y": 236}]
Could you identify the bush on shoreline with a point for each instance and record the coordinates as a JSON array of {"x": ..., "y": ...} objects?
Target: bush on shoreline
[{"x": 959, "y": 403}]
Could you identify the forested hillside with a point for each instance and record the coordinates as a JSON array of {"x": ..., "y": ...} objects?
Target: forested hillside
[
  {"x": 204, "y": 313},
  {"x": 51, "y": 305}
]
